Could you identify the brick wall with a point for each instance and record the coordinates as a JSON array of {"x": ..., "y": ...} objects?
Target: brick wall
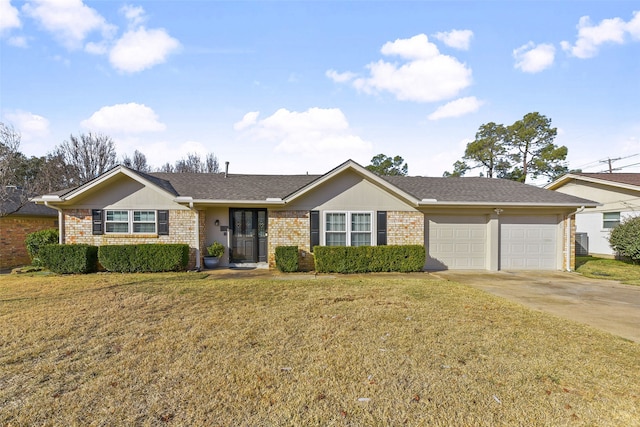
[
  {"x": 405, "y": 228},
  {"x": 290, "y": 228},
  {"x": 572, "y": 246},
  {"x": 13, "y": 232},
  {"x": 182, "y": 229}
]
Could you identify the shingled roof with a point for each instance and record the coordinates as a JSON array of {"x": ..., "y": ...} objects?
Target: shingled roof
[
  {"x": 15, "y": 205},
  {"x": 453, "y": 190},
  {"x": 622, "y": 178},
  {"x": 222, "y": 187},
  {"x": 217, "y": 186}
]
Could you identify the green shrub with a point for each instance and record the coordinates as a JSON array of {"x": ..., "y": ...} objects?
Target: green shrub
[
  {"x": 369, "y": 259},
  {"x": 144, "y": 257},
  {"x": 287, "y": 258},
  {"x": 70, "y": 259},
  {"x": 625, "y": 239},
  {"x": 37, "y": 240}
]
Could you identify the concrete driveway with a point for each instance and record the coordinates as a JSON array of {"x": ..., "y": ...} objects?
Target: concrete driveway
[{"x": 604, "y": 304}]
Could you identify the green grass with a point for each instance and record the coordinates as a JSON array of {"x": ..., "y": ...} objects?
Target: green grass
[
  {"x": 601, "y": 268},
  {"x": 187, "y": 349}
]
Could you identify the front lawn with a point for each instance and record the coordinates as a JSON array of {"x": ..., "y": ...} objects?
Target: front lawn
[
  {"x": 601, "y": 268},
  {"x": 184, "y": 349}
]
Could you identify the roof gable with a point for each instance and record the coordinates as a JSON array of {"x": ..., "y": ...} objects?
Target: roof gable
[
  {"x": 352, "y": 166},
  {"x": 628, "y": 181}
]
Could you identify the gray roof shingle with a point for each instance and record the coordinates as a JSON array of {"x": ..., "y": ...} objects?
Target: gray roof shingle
[
  {"x": 480, "y": 190},
  {"x": 622, "y": 178},
  {"x": 215, "y": 186},
  {"x": 452, "y": 190}
]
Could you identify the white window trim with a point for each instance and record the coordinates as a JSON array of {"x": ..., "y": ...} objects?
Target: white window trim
[
  {"x": 604, "y": 221},
  {"x": 348, "y": 231},
  {"x": 131, "y": 222}
]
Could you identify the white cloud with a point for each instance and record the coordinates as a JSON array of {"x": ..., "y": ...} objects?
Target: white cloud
[
  {"x": 247, "y": 121},
  {"x": 140, "y": 49},
  {"x": 633, "y": 26},
  {"x": 135, "y": 15},
  {"x": 31, "y": 126},
  {"x": 340, "y": 77},
  {"x": 427, "y": 76},
  {"x": 17, "y": 41},
  {"x": 457, "y": 108},
  {"x": 457, "y": 39},
  {"x": 124, "y": 118},
  {"x": 318, "y": 133},
  {"x": 533, "y": 59},
  {"x": 70, "y": 21},
  {"x": 9, "y": 16},
  {"x": 591, "y": 37}
]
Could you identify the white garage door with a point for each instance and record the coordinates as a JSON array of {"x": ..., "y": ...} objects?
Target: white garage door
[
  {"x": 528, "y": 243},
  {"x": 457, "y": 242}
]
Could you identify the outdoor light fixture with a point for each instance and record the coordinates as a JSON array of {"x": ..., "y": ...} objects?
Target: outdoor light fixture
[{"x": 217, "y": 222}]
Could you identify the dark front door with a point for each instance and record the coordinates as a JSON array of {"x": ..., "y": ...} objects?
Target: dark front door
[{"x": 249, "y": 238}]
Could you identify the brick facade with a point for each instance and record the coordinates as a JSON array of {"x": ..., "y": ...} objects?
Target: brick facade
[
  {"x": 572, "y": 246},
  {"x": 13, "y": 232},
  {"x": 405, "y": 228},
  {"x": 182, "y": 229},
  {"x": 290, "y": 228}
]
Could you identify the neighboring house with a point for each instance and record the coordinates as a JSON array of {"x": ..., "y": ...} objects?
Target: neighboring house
[
  {"x": 15, "y": 226},
  {"x": 619, "y": 198},
  {"x": 464, "y": 223}
]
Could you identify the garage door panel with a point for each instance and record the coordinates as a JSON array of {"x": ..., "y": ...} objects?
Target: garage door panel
[
  {"x": 457, "y": 243},
  {"x": 528, "y": 243}
]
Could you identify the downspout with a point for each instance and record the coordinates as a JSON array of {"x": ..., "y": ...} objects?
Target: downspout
[
  {"x": 60, "y": 222},
  {"x": 568, "y": 234}
]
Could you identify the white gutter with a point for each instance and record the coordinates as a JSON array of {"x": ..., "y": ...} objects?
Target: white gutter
[
  {"x": 60, "y": 222},
  {"x": 568, "y": 234}
]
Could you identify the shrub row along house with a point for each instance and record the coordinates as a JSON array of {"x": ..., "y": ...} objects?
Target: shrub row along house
[
  {"x": 464, "y": 223},
  {"x": 619, "y": 197}
]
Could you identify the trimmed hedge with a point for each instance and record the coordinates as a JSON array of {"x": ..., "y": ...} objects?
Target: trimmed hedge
[
  {"x": 38, "y": 239},
  {"x": 287, "y": 258},
  {"x": 369, "y": 259},
  {"x": 69, "y": 259},
  {"x": 147, "y": 258}
]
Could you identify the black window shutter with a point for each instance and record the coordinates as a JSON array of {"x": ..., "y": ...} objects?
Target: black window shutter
[
  {"x": 163, "y": 223},
  {"x": 97, "y": 227},
  {"x": 314, "y": 218},
  {"x": 382, "y": 228}
]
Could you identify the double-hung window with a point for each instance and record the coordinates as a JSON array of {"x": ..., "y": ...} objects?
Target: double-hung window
[
  {"x": 126, "y": 222},
  {"x": 348, "y": 228},
  {"x": 610, "y": 220}
]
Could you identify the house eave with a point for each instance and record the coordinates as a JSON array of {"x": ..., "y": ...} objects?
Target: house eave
[
  {"x": 567, "y": 178},
  {"x": 423, "y": 204}
]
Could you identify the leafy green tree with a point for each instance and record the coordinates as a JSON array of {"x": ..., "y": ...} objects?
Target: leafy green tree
[
  {"x": 530, "y": 140},
  {"x": 625, "y": 239},
  {"x": 387, "y": 166},
  {"x": 524, "y": 149}
]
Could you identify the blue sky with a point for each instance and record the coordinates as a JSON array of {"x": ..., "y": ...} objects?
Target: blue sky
[{"x": 297, "y": 87}]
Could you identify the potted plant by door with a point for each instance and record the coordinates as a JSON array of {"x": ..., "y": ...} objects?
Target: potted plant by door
[{"x": 214, "y": 251}]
